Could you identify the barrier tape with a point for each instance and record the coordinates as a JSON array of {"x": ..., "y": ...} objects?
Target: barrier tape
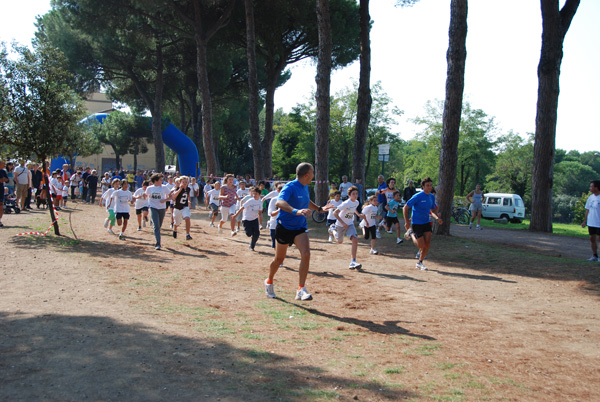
[{"x": 49, "y": 227}]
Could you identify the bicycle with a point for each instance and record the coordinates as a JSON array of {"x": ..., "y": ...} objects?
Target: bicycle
[
  {"x": 319, "y": 217},
  {"x": 461, "y": 215}
]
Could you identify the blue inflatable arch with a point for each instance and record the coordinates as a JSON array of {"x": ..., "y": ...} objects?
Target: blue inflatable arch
[{"x": 184, "y": 147}]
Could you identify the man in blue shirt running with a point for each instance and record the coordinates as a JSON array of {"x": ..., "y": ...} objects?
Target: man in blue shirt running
[
  {"x": 294, "y": 206},
  {"x": 422, "y": 204}
]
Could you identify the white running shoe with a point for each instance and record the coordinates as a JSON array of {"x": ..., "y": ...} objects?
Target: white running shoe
[
  {"x": 373, "y": 251},
  {"x": 478, "y": 227},
  {"x": 144, "y": 223},
  {"x": 330, "y": 240},
  {"x": 220, "y": 231},
  {"x": 302, "y": 294},
  {"x": 470, "y": 225},
  {"x": 378, "y": 234},
  {"x": 421, "y": 267},
  {"x": 408, "y": 233},
  {"x": 233, "y": 233},
  {"x": 592, "y": 258},
  {"x": 399, "y": 240},
  {"x": 269, "y": 290},
  {"x": 157, "y": 247},
  {"x": 355, "y": 265},
  {"x": 110, "y": 231},
  {"x": 140, "y": 228},
  {"x": 418, "y": 255},
  {"x": 212, "y": 225},
  {"x": 106, "y": 223},
  {"x": 121, "y": 236}
]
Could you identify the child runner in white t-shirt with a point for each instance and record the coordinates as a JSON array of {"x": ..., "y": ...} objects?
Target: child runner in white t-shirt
[
  {"x": 110, "y": 221},
  {"x": 252, "y": 217},
  {"x": 141, "y": 204},
  {"x": 369, "y": 222},
  {"x": 345, "y": 223},
  {"x": 65, "y": 194},
  {"x": 214, "y": 202},
  {"x": 331, "y": 219},
  {"x": 272, "y": 212},
  {"x": 241, "y": 193},
  {"x": 121, "y": 199}
]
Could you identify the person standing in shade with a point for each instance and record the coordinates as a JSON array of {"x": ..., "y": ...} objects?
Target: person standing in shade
[
  {"x": 381, "y": 200},
  {"x": 419, "y": 225},
  {"x": 344, "y": 187},
  {"x": 475, "y": 199},
  {"x": 409, "y": 191},
  {"x": 294, "y": 206},
  {"x": 592, "y": 217}
]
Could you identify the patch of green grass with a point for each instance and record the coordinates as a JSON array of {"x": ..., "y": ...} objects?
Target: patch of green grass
[
  {"x": 252, "y": 336},
  {"x": 336, "y": 338},
  {"x": 475, "y": 384},
  {"x": 560, "y": 229},
  {"x": 259, "y": 354},
  {"x": 359, "y": 373},
  {"x": 452, "y": 376},
  {"x": 426, "y": 349},
  {"x": 394, "y": 370},
  {"x": 320, "y": 394},
  {"x": 214, "y": 328},
  {"x": 355, "y": 356}
]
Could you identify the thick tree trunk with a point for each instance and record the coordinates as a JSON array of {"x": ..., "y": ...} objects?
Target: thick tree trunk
[
  {"x": 455, "y": 83},
  {"x": 555, "y": 25},
  {"x": 159, "y": 154},
  {"x": 196, "y": 124},
  {"x": 363, "y": 103},
  {"x": 207, "y": 134},
  {"x": 257, "y": 148},
  {"x": 267, "y": 141},
  {"x": 323, "y": 80}
]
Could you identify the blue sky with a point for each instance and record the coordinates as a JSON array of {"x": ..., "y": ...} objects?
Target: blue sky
[{"x": 409, "y": 58}]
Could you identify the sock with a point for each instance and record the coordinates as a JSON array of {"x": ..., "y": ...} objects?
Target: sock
[
  {"x": 300, "y": 287},
  {"x": 269, "y": 281}
]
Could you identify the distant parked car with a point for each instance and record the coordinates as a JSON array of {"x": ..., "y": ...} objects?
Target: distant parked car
[{"x": 503, "y": 205}]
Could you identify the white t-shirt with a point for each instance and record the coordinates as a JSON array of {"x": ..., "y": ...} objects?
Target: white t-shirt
[
  {"x": 55, "y": 185},
  {"x": 140, "y": 202},
  {"x": 344, "y": 188},
  {"x": 121, "y": 200},
  {"x": 207, "y": 188},
  {"x": 347, "y": 209},
  {"x": 272, "y": 219},
  {"x": 21, "y": 175},
  {"x": 242, "y": 193},
  {"x": 193, "y": 188},
  {"x": 107, "y": 198},
  {"x": 370, "y": 212},
  {"x": 330, "y": 215},
  {"x": 252, "y": 208},
  {"x": 271, "y": 195},
  {"x": 65, "y": 191},
  {"x": 156, "y": 194},
  {"x": 214, "y": 196},
  {"x": 593, "y": 206},
  {"x": 389, "y": 195}
]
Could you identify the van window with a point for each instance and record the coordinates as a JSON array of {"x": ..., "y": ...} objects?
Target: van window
[
  {"x": 507, "y": 202},
  {"x": 518, "y": 202},
  {"x": 493, "y": 201}
]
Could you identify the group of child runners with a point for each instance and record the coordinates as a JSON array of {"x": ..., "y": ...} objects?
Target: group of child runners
[{"x": 244, "y": 206}]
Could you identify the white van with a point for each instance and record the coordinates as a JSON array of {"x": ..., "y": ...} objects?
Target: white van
[{"x": 502, "y": 205}]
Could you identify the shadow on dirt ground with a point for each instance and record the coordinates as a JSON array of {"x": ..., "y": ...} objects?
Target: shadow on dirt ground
[{"x": 58, "y": 357}]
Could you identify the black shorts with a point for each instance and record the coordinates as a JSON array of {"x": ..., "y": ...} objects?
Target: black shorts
[
  {"x": 286, "y": 236},
  {"x": 371, "y": 231},
  {"x": 593, "y": 230},
  {"x": 142, "y": 209},
  {"x": 2, "y": 197},
  {"x": 391, "y": 220},
  {"x": 419, "y": 230},
  {"x": 251, "y": 227},
  {"x": 123, "y": 215}
]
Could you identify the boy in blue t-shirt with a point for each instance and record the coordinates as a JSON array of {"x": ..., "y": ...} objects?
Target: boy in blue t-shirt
[
  {"x": 419, "y": 226},
  {"x": 392, "y": 216}
]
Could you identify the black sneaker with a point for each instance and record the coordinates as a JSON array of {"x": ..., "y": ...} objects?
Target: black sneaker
[
  {"x": 188, "y": 237},
  {"x": 174, "y": 234}
]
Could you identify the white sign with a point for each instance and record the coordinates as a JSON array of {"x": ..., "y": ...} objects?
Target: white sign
[
  {"x": 384, "y": 149},
  {"x": 384, "y": 158}
]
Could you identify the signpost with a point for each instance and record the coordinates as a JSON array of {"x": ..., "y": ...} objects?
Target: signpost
[{"x": 384, "y": 156}]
